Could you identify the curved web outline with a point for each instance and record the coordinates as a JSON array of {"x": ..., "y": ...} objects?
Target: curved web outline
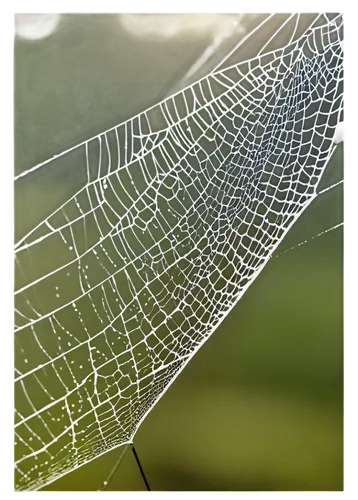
[{"x": 192, "y": 195}]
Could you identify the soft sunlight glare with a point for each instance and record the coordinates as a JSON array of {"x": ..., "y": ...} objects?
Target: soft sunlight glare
[
  {"x": 159, "y": 27},
  {"x": 36, "y": 26},
  {"x": 165, "y": 26}
]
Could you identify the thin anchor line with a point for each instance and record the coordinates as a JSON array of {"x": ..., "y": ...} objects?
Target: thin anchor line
[
  {"x": 113, "y": 470},
  {"x": 140, "y": 467}
]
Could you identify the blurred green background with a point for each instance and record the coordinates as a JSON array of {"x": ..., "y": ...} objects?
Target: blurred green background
[{"x": 260, "y": 407}]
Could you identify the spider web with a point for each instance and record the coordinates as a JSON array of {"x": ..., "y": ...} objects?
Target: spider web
[{"x": 180, "y": 209}]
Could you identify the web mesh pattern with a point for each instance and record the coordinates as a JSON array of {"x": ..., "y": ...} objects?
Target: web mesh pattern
[{"x": 181, "y": 208}]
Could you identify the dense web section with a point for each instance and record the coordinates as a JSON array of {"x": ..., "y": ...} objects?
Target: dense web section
[{"x": 181, "y": 208}]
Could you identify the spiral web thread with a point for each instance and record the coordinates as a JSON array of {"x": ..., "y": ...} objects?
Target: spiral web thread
[{"x": 181, "y": 208}]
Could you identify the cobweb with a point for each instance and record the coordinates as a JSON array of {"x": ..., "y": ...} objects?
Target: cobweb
[{"x": 180, "y": 209}]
